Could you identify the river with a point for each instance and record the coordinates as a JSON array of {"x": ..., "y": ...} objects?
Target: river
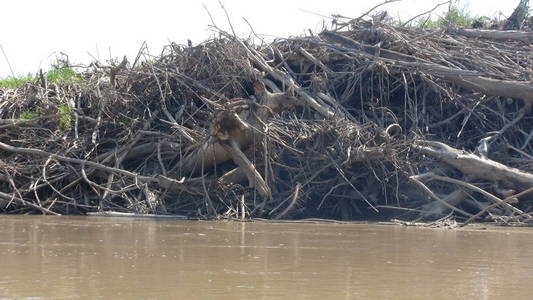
[{"x": 119, "y": 258}]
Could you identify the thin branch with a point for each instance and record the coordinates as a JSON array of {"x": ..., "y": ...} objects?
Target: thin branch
[{"x": 424, "y": 13}]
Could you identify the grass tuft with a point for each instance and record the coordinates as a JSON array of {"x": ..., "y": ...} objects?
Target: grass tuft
[
  {"x": 15, "y": 82},
  {"x": 57, "y": 75},
  {"x": 62, "y": 75},
  {"x": 28, "y": 115},
  {"x": 64, "y": 117}
]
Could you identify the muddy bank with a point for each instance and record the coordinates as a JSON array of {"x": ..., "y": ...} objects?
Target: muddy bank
[{"x": 364, "y": 119}]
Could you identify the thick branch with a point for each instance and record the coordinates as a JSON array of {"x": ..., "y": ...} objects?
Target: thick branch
[
  {"x": 498, "y": 35},
  {"x": 7, "y": 197},
  {"x": 160, "y": 180},
  {"x": 475, "y": 166},
  {"x": 254, "y": 178},
  {"x": 289, "y": 82}
]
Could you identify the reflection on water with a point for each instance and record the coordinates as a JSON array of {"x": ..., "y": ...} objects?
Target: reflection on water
[{"x": 91, "y": 258}]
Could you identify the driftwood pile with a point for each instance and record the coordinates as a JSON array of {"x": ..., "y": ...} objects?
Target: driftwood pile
[{"x": 363, "y": 120}]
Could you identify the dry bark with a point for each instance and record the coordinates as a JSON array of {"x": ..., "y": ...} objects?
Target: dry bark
[
  {"x": 526, "y": 37},
  {"x": 475, "y": 166}
]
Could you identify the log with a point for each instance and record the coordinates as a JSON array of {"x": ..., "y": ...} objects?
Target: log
[
  {"x": 494, "y": 87},
  {"x": 526, "y": 37},
  {"x": 475, "y": 166},
  {"x": 117, "y": 214}
]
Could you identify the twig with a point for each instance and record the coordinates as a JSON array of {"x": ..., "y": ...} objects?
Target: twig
[
  {"x": 504, "y": 201},
  {"x": 295, "y": 197},
  {"x": 416, "y": 180},
  {"x": 40, "y": 208},
  {"x": 7, "y": 61},
  {"x": 373, "y": 8},
  {"x": 424, "y": 13}
]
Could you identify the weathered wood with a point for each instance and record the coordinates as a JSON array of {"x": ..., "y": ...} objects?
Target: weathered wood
[
  {"x": 116, "y": 214},
  {"x": 497, "y": 34},
  {"x": 475, "y": 166},
  {"x": 161, "y": 180},
  {"x": 468, "y": 79},
  {"x": 255, "y": 179},
  {"x": 241, "y": 127}
]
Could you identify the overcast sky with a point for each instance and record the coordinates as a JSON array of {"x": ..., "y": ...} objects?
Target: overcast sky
[{"x": 33, "y": 32}]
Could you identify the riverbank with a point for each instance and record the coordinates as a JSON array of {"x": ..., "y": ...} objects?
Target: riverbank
[{"x": 363, "y": 120}]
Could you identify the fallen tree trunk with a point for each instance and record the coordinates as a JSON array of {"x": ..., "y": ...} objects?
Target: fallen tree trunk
[
  {"x": 523, "y": 36},
  {"x": 475, "y": 166}
]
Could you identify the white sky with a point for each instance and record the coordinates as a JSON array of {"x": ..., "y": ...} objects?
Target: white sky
[{"x": 33, "y": 32}]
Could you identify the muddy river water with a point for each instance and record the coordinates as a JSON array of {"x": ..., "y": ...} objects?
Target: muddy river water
[{"x": 118, "y": 258}]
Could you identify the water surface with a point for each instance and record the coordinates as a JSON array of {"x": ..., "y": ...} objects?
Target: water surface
[{"x": 117, "y": 258}]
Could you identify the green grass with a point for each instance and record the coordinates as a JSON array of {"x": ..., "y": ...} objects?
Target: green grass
[
  {"x": 15, "y": 82},
  {"x": 56, "y": 75},
  {"x": 28, "y": 115},
  {"x": 455, "y": 17},
  {"x": 63, "y": 75},
  {"x": 64, "y": 117}
]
